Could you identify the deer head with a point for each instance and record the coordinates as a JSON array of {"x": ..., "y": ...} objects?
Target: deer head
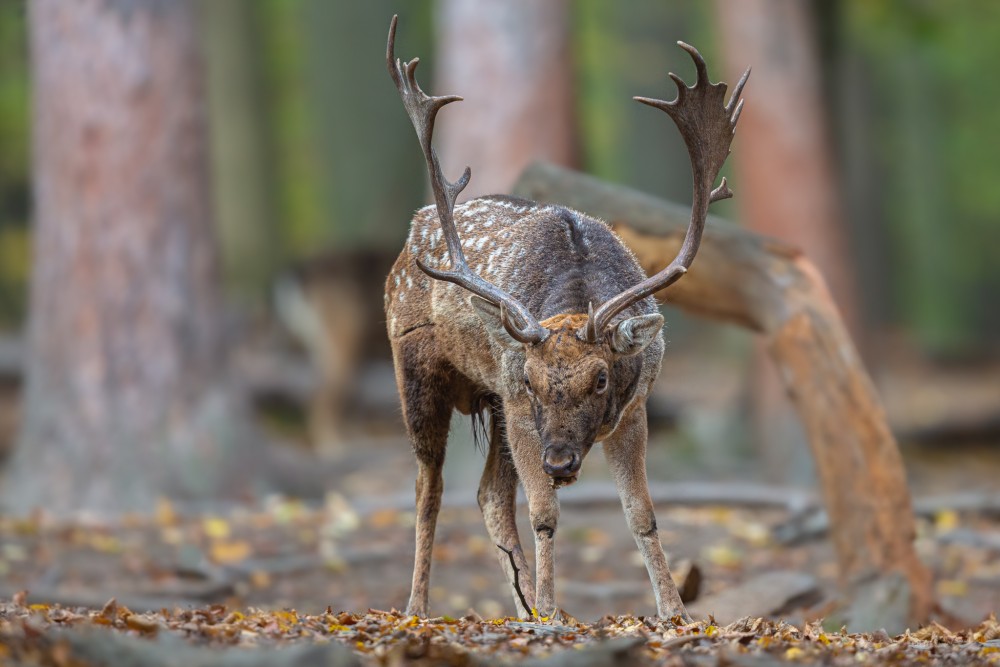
[
  {"x": 578, "y": 390},
  {"x": 579, "y": 370}
]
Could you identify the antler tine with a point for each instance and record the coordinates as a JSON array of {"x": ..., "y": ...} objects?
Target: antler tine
[
  {"x": 707, "y": 125},
  {"x": 422, "y": 110},
  {"x": 701, "y": 68},
  {"x": 735, "y": 97}
]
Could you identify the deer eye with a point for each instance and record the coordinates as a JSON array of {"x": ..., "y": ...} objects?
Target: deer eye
[
  {"x": 527, "y": 386},
  {"x": 602, "y": 382}
]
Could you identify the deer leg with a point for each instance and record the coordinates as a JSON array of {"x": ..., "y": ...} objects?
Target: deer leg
[
  {"x": 543, "y": 505},
  {"x": 427, "y": 405},
  {"x": 497, "y": 500},
  {"x": 429, "y": 488},
  {"x": 625, "y": 451}
]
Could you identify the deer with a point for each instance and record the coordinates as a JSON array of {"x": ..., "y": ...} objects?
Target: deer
[{"x": 539, "y": 321}]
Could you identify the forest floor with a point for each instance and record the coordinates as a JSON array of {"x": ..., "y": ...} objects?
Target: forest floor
[
  {"x": 320, "y": 582},
  {"x": 313, "y": 576}
]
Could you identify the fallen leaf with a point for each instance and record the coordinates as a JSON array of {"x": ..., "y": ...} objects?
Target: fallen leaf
[
  {"x": 165, "y": 514},
  {"x": 216, "y": 528},
  {"x": 946, "y": 521},
  {"x": 383, "y": 518},
  {"x": 224, "y": 551}
]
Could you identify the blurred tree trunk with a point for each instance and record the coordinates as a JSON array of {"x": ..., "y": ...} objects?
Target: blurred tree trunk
[
  {"x": 123, "y": 400},
  {"x": 786, "y": 180},
  {"x": 511, "y": 60}
]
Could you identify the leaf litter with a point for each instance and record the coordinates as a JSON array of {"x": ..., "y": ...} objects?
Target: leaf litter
[
  {"x": 42, "y": 634},
  {"x": 180, "y": 563}
]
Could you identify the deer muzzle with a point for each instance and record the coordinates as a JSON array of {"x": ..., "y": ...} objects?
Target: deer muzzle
[{"x": 560, "y": 462}]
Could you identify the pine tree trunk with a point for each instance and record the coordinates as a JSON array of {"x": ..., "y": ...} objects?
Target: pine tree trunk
[
  {"x": 124, "y": 400},
  {"x": 511, "y": 61}
]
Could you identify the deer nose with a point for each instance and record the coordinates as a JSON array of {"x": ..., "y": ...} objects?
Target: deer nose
[{"x": 560, "y": 463}]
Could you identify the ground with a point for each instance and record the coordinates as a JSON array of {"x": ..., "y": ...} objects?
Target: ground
[
  {"x": 308, "y": 578},
  {"x": 281, "y": 571},
  {"x": 41, "y": 635}
]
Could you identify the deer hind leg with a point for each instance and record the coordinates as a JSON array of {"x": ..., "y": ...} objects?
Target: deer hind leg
[
  {"x": 497, "y": 500},
  {"x": 625, "y": 451},
  {"x": 426, "y": 393}
]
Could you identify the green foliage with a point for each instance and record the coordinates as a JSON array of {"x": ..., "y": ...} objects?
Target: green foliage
[
  {"x": 344, "y": 169},
  {"x": 372, "y": 174},
  {"x": 626, "y": 49},
  {"x": 294, "y": 150},
  {"x": 931, "y": 65},
  {"x": 14, "y": 182}
]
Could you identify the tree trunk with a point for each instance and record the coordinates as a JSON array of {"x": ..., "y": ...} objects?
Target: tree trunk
[
  {"x": 123, "y": 398},
  {"x": 511, "y": 61},
  {"x": 788, "y": 189},
  {"x": 783, "y": 159},
  {"x": 773, "y": 288}
]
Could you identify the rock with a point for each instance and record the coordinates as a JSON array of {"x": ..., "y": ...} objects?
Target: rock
[{"x": 763, "y": 595}]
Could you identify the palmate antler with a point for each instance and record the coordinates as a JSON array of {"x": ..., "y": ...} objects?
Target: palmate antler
[
  {"x": 422, "y": 110},
  {"x": 707, "y": 125}
]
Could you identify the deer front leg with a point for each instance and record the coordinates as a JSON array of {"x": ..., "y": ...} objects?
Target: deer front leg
[
  {"x": 427, "y": 406},
  {"x": 497, "y": 500},
  {"x": 625, "y": 451},
  {"x": 543, "y": 505},
  {"x": 429, "y": 490}
]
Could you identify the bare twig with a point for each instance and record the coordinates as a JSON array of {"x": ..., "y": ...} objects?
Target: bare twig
[{"x": 517, "y": 584}]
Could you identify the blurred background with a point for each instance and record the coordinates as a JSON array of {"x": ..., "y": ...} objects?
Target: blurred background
[{"x": 868, "y": 140}]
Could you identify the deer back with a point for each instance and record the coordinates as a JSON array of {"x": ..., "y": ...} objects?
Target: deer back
[{"x": 552, "y": 259}]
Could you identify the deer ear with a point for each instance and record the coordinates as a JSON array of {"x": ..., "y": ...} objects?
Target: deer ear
[
  {"x": 634, "y": 335},
  {"x": 490, "y": 315}
]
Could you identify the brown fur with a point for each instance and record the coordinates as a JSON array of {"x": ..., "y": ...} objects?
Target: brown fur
[{"x": 449, "y": 355}]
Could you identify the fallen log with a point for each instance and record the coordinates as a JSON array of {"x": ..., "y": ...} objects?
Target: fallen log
[
  {"x": 95, "y": 599},
  {"x": 813, "y": 523},
  {"x": 98, "y": 646},
  {"x": 770, "y": 287}
]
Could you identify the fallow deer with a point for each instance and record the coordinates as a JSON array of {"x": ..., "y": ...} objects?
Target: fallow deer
[{"x": 559, "y": 341}]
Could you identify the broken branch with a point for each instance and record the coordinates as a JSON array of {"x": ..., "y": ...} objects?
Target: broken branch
[{"x": 517, "y": 584}]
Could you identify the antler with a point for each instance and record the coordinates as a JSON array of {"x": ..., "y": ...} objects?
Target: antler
[
  {"x": 707, "y": 126},
  {"x": 422, "y": 110}
]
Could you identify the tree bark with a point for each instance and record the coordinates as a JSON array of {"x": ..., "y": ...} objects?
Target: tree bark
[
  {"x": 784, "y": 161},
  {"x": 123, "y": 397},
  {"x": 788, "y": 188},
  {"x": 773, "y": 288},
  {"x": 511, "y": 61}
]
